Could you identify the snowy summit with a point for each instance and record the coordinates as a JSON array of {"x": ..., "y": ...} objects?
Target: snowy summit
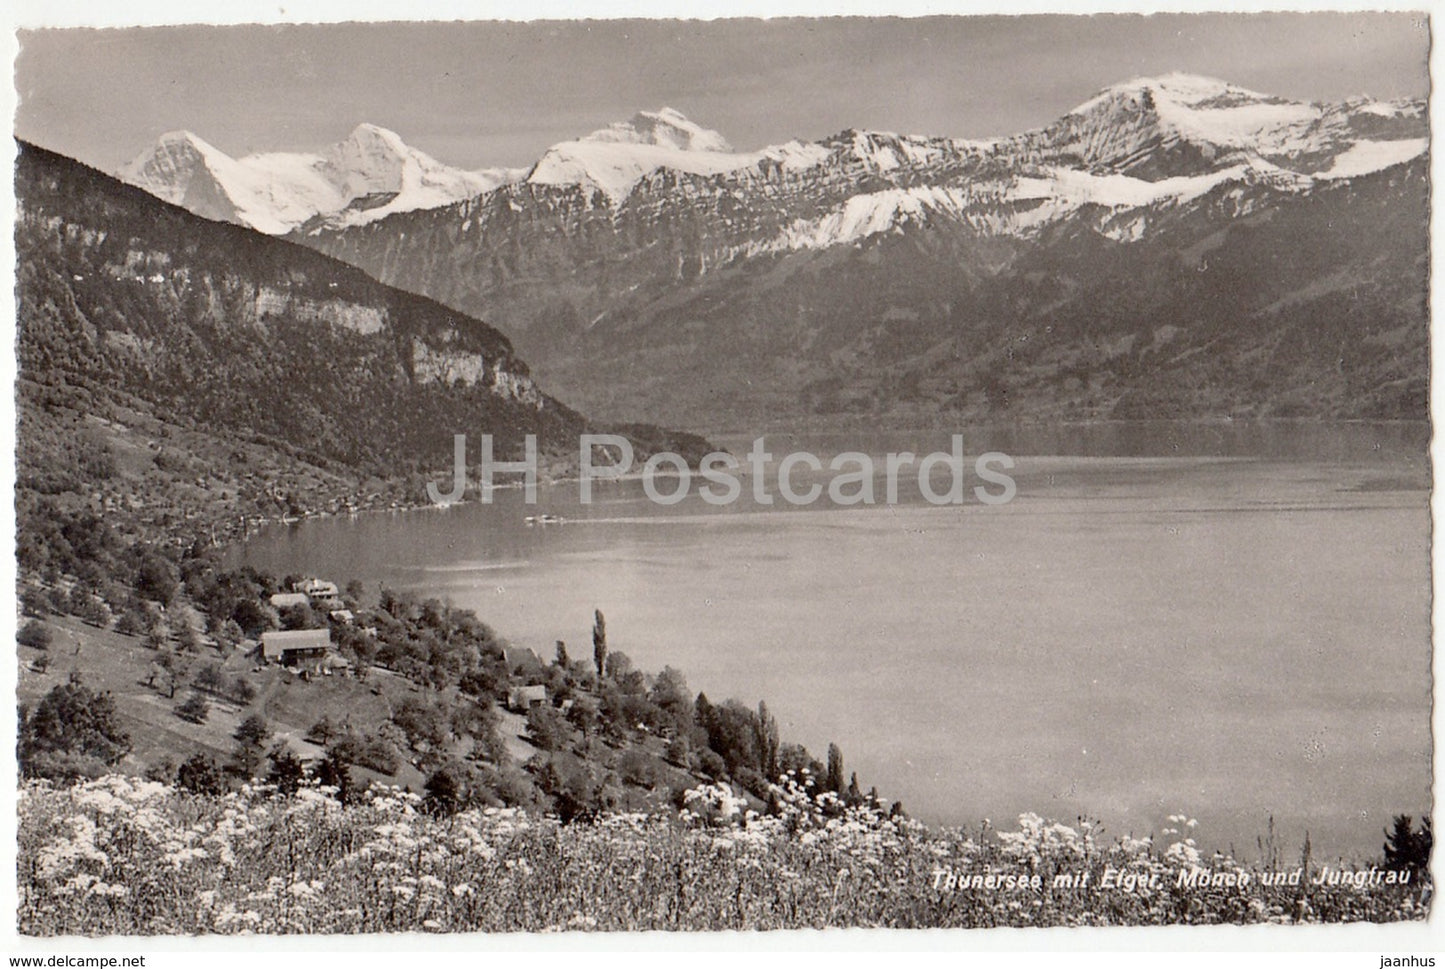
[
  {"x": 615, "y": 158},
  {"x": 366, "y": 176},
  {"x": 1134, "y": 145}
]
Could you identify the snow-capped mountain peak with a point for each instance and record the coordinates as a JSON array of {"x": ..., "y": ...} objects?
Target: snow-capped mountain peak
[
  {"x": 369, "y": 174},
  {"x": 614, "y": 159},
  {"x": 367, "y": 133},
  {"x": 182, "y": 138},
  {"x": 1176, "y": 87},
  {"x": 166, "y": 170},
  {"x": 667, "y": 128}
]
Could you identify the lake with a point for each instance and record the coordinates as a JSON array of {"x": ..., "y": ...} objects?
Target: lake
[{"x": 1229, "y": 621}]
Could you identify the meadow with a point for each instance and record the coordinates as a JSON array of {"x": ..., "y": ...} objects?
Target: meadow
[{"x": 118, "y": 856}]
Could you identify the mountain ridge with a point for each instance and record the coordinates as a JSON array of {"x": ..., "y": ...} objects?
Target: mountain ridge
[{"x": 727, "y": 286}]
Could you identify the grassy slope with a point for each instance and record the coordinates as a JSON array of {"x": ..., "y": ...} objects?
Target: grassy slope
[{"x": 120, "y": 664}]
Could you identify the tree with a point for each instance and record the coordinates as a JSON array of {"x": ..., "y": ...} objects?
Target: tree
[
  {"x": 679, "y": 751},
  {"x": 228, "y": 635},
  {"x": 155, "y": 578},
  {"x": 240, "y": 690},
  {"x": 637, "y": 768},
  {"x": 544, "y": 727},
  {"x": 211, "y": 678},
  {"x": 131, "y": 622},
  {"x": 732, "y": 731},
  {"x": 670, "y": 692},
  {"x": 1407, "y": 849},
  {"x": 71, "y": 721},
  {"x": 583, "y": 715},
  {"x": 334, "y": 770},
  {"x": 619, "y": 666},
  {"x": 245, "y": 761},
  {"x": 299, "y": 617},
  {"x": 711, "y": 764},
  {"x": 834, "y": 780},
  {"x": 445, "y": 791},
  {"x": 287, "y": 772},
  {"x": 577, "y": 794},
  {"x": 253, "y": 731},
  {"x": 187, "y": 624},
  {"x": 34, "y": 602},
  {"x": 199, "y": 775},
  {"x": 423, "y": 725},
  {"x": 562, "y": 654},
  {"x": 768, "y": 741},
  {"x": 255, "y": 617},
  {"x": 195, "y": 708},
  {"x": 92, "y": 611},
  {"x": 162, "y": 771},
  {"x": 599, "y": 642},
  {"x": 795, "y": 758},
  {"x": 158, "y": 635},
  {"x": 33, "y": 634},
  {"x": 171, "y": 670},
  {"x": 323, "y": 730}
]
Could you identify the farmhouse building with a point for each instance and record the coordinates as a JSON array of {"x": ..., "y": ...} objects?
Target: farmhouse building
[
  {"x": 318, "y": 588},
  {"x": 520, "y": 699},
  {"x": 290, "y": 600},
  {"x": 295, "y": 646}
]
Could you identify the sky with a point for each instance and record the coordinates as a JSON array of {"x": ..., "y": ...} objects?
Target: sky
[{"x": 482, "y": 94}]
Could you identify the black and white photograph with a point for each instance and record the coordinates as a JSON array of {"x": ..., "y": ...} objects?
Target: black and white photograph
[{"x": 655, "y": 475}]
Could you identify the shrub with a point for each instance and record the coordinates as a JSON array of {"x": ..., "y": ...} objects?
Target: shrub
[
  {"x": 373, "y": 751},
  {"x": 253, "y": 731},
  {"x": 71, "y": 721},
  {"x": 131, "y": 622},
  {"x": 636, "y": 767},
  {"x": 34, "y": 634},
  {"x": 386, "y": 867},
  {"x": 545, "y": 728},
  {"x": 162, "y": 771},
  {"x": 323, "y": 730},
  {"x": 91, "y": 610},
  {"x": 445, "y": 791},
  {"x": 211, "y": 679},
  {"x": 35, "y": 602},
  {"x": 239, "y": 690},
  {"x": 195, "y": 708},
  {"x": 711, "y": 764},
  {"x": 200, "y": 775},
  {"x": 286, "y": 772}
]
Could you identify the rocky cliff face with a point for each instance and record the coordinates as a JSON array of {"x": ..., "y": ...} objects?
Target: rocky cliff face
[{"x": 124, "y": 295}]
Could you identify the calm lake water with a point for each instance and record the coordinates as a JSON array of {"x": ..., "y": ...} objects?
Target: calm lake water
[{"x": 1227, "y": 621}]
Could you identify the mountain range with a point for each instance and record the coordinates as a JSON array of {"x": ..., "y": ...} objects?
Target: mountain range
[{"x": 1173, "y": 247}]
